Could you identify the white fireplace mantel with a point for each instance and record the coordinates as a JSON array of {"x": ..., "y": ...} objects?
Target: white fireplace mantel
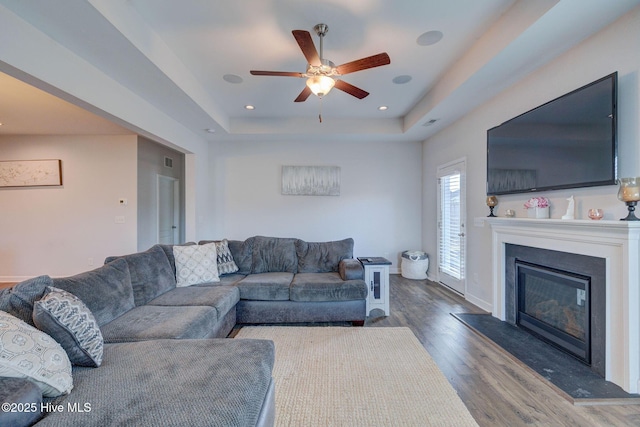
[{"x": 618, "y": 242}]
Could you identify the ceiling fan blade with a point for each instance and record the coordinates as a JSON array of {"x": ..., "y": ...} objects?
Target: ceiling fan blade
[
  {"x": 303, "y": 95},
  {"x": 276, "y": 73},
  {"x": 308, "y": 48},
  {"x": 364, "y": 63},
  {"x": 351, "y": 89}
]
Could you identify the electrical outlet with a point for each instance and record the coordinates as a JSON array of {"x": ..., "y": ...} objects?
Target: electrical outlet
[
  {"x": 119, "y": 219},
  {"x": 90, "y": 262}
]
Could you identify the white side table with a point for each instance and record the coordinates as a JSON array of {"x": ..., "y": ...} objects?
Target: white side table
[{"x": 376, "y": 276}]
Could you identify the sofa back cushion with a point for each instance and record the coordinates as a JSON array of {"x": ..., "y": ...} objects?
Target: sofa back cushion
[
  {"x": 274, "y": 254},
  {"x": 322, "y": 257},
  {"x": 19, "y": 299},
  {"x": 168, "y": 251},
  {"x": 106, "y": 291},
  {"x": 151, "y": 274},
  {"x": 242, "y": 252}
]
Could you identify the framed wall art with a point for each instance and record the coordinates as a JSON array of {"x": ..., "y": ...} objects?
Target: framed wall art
[
  {"x": 311, "y": 180},
  {"x": 30, "y": 173}
]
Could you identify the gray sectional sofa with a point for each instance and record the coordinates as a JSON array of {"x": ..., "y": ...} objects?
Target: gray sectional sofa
[{"x": 164, "y": 356}]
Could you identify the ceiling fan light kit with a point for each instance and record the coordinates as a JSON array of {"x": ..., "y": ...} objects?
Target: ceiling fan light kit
[
  {"x": 322, "y": 74},
  {"x": 320, "y": 85}
]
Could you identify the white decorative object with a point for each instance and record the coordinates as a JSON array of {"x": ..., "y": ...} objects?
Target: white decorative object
[
  {"x": 538, "y": 213},
  {"x": 571, "y": 209},
  {"x": 537, "y": 207}
]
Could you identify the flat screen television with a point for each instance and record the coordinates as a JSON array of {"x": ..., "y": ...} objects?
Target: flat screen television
[{"x": 569, "y": 142}]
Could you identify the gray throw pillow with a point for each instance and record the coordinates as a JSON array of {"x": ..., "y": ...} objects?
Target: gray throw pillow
[
  {"x": 18, "y": 300},
  {"x": 68, "y": 320}
]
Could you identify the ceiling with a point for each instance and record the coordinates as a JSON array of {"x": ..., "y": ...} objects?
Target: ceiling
[{"x": 191, "y": 60}]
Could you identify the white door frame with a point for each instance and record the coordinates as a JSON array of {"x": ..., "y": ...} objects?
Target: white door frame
[{"x": 458, "y": 285}]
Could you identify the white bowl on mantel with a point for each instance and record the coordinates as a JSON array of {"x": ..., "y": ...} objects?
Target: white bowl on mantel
[{"x": 538, "y": 212}]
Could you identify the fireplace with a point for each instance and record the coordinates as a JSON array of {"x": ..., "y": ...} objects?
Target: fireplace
[
  {"x": 555, "y": 306},
  {"x": 612, "y": 246},
  {"x": 560, "y": 298}
]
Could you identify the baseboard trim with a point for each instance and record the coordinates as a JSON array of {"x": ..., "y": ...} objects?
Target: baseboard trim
[
  {"x": 486, "y": 306},
  {"x": 14, "y": 279}
]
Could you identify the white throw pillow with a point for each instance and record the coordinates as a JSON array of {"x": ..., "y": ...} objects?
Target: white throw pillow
[
  {"x": 196, "y": 264},
  {"x": 26, "y": 352}
]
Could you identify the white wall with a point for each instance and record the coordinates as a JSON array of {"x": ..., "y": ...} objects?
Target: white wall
[
  {"x": 613, "y": 49},
  {"x": 379, "y": 203},
  {"x": 57, "y": 230}
]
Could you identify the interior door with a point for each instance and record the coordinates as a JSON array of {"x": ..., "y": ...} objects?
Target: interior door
[
  {"x": 451, "y": 225},
  {"x": 168, "y": 210}
]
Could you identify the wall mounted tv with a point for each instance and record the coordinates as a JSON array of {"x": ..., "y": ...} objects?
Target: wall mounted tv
[{"x": 569, "y": 142}]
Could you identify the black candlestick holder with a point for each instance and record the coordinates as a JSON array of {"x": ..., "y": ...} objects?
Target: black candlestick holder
[
  {"x": 491, "y": 215},
  {"x": 631, "y": 207}
]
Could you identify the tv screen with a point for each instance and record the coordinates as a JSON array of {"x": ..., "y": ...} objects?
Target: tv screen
[{"x": 569, "y": 142}]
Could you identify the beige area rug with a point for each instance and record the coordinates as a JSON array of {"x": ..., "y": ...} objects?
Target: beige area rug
[{"x": 344, "y": 376}]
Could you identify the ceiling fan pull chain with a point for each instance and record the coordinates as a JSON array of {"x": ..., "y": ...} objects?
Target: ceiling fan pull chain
[{"x": 320, "y": 114}]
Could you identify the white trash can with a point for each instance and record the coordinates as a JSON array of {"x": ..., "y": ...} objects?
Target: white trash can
[{"x": 414, "y": 265}]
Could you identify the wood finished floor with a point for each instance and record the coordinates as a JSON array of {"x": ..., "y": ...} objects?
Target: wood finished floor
[{"x": 496, "y": 389}]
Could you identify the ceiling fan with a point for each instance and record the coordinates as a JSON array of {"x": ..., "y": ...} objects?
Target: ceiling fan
[{"x": 322, "y": 75}]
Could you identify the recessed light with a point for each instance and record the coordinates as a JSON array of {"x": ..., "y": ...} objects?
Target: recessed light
[
  {"x": 430, "y": 122},
  {"x": 232, "y": 78},
  {"x": 383, "y": 108},
  {"x": 210, "y": 130},
  {"x": 400, "y": 80},
  {"x": 429, "y": 38},
  {"x": 249, "y": 107}
]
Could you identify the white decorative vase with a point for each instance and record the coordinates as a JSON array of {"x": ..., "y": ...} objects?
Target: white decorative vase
[{"x": 538, "y": 212}]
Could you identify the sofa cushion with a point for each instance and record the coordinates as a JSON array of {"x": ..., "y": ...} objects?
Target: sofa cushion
[
  {"x": 26, "y": 352},
  {"x": 18, "y": 300},
  {"x": 274, "y": 254},
  {"x": 152, "y": 322},
  {"x": 67, "y": 320},
  {"x": 195, "y": 264},
  {"x": 265, "y": 286},
  {"x": 106, "y": 291},
  {"x": 151, "y": 273},
  {"x": 322, "y": 257},
  {"x": 326, "y": 287},
  {"x": 242, "y": 252},
  {"x": 195, "y": 383},
  {"x": 23, "y": 392},
  {"x": 223, "y": 298},
  {"x": 227, "y": 280}
]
